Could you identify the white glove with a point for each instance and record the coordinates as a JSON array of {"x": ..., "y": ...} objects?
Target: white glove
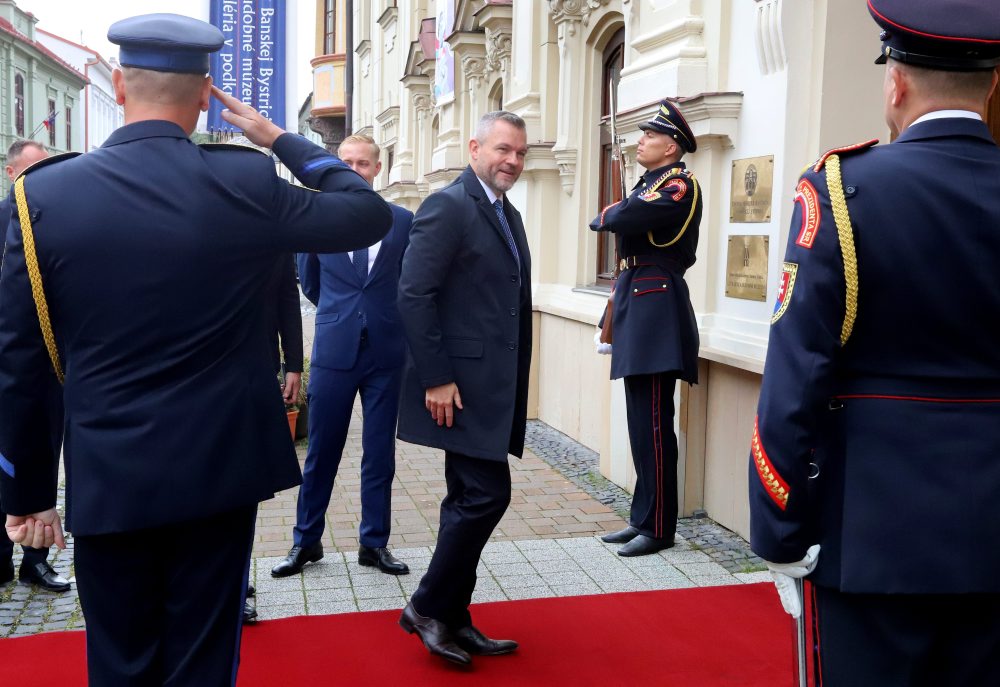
[
  {"x": 785, "y": 574},
  {"x": 602, "y": 348}
]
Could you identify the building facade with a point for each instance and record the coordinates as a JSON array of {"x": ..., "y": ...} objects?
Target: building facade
[
  {"x": 40, "y": 93},
  {"x": 766, "y": 85},
  {"x": 101, "y": 113}
]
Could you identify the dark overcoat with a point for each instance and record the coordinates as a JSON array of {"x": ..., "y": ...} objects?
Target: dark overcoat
[{"x": 466, "y": 311}]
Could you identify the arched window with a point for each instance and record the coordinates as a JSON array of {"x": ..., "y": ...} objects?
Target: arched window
[
  {"x": 496, "y": 97},
  {"x": 19, "y": 105},
  {"x": 612, "y": 62}
]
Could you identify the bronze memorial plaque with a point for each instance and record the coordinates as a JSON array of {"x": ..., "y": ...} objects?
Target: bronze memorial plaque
[
  {"x": 750, "y": 196},
  {"x": 746, "y": 268}
]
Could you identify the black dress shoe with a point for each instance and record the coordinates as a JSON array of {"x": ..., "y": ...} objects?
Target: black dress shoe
[
  {"x": 478, "y": 644},
  {"x": 42, "y": 575},
  {"x": 6, "y": 571},
  {"x": 435, "y": 636},
  {"x": 251, "y": 592},
  {"x": 385, "y": 561},
  {"x": 643, "y": 546},
  {"x": 297, "y": 557},
  {"x": 249, "y": 612},
  {"x": 621, "y": 536}
]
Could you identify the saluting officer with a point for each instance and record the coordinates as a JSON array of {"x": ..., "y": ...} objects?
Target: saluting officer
[
  {"x": 874, "y": 462},
  {"x": 140, "y": 272},
  {"x": 655, "y": 331}
]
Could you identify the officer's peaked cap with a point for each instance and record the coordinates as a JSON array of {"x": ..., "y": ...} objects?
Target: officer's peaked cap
[
  {"x": 669, "y": 120},
  {"x": 166, "y": 43},
  {"x": 954, "y": 35}
]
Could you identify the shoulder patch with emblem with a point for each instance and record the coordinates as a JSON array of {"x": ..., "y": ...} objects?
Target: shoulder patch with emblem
[
  {"x": 786, "y": 283},
  {"x": 843, "y": 151},
  {"x": 51, "y": 160},
  {"x": 808, "y": 199},
  {"x": 671, "y": 179}
]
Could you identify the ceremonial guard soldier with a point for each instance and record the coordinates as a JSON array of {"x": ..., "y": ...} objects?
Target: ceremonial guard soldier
[
  {"x": 138, "y": 274},
  {"x": 874, "y": 464},
  {"x": 654, "y": 327}
]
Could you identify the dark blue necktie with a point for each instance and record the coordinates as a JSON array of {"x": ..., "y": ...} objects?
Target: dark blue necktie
[
  {"x": 360, "y": 260},
  {"x": 498, "y": 206}
]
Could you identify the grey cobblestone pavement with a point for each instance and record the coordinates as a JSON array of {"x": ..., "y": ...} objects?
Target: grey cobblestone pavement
[{"x": 705, "y": 554}]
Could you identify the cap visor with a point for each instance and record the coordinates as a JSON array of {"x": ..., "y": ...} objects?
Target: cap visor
[{"x": 881, "y": 59}]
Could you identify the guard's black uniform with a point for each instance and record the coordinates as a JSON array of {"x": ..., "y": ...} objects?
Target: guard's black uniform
[
  {"x": 878, "y": 423},
  {"x": 655, "y": 331}
]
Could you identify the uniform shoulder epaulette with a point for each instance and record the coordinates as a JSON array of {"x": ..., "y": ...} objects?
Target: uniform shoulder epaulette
[
  {"x": 232, "y": 146},
  {"x": 51, "y": 160},
  {"x": 845, "y": 150}
]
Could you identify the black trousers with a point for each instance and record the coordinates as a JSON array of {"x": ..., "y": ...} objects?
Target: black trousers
[
  {"x": 478, "y": 495},
  {"x": 649, "y": 404},
  {"x": 164, "y": 606},
  {"x": 906, "y": 640}
]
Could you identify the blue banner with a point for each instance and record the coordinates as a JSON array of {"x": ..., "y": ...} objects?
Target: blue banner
[{"x": 251, "y": 64}]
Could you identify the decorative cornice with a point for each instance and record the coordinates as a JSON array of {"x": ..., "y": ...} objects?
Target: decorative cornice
[
  {"x": 574, "y": 11},
  {"x": 566, "y": 160}
]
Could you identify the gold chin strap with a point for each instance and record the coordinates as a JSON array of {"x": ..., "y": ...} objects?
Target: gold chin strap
[
  {"x": 694, "y": 206},
  {"x": 35, "y": 276},
  {"x": 845, "y": 232}
]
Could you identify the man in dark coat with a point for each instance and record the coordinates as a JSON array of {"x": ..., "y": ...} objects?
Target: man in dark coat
[
  {"x": 35, "y": 569},
  {"x": 655, "y": 331},
  {"x": 873, "y": 464},
  {"x": 465, "y": 301},
  {"x": 141, "y": 271}
]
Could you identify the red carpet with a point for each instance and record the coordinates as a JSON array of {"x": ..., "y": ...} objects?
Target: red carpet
[{"x": 704, "y": 637}]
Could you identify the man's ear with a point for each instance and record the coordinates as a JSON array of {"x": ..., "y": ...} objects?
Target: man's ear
[
  {"x": 10, "y": 172},
  {"x": 118, "y": 82},
  {"x": 899, "y": 85},
  {"x": 473, "y": 148},
  {"x": 205, "y": 97},
  {"x": 378, "y": 167}
]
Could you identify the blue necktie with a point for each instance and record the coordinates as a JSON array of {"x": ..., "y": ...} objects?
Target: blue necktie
[
  {"x": 360, "y": 260},
  {"x": 498, "y": 206}
]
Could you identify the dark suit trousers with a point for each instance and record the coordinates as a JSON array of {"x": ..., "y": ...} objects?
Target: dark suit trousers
[
  {"x": 164, "y": 606},
  {"x": 331, "y": 402},
  {"x": 478, "y": 495},
  {"x": 649, "y": 404},
  {"x": 907, "y": 640}
]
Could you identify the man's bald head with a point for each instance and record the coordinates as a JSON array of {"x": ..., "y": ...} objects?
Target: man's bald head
[{"x": 21, "y": 155}]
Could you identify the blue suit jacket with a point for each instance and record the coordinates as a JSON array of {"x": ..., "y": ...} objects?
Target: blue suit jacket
[
  {"x": 156, "y": 256},
  {"x": 343, "y": 303},
  {"x": 883, "y": 449}
]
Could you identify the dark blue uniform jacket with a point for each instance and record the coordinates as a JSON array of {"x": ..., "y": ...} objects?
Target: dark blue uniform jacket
[
  {"x": 155, "y": 255},
  {"x": 901, "y": 423},
  {"x": 655, "y": 329}
]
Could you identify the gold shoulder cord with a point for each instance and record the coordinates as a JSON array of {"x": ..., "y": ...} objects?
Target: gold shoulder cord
[
  {"x": 35, "y": 277},
  {"x": 694, "y": 206},
  {"x": 845, "y": 232}
]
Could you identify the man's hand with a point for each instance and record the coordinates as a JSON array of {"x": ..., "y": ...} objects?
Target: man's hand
[
  {"x": 290, "y": 389},
  {"x": 785, "y": 574},
  {"x": 440, "y": 401},
  {"x": 259, "y": 129},
  {"x": 38, "y": 530}
]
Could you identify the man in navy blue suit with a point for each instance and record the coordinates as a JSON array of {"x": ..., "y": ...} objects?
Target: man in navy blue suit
[
  {"x": 873, "y": 464},
  {"x": 138, "y": 274},
  {"x": 358, "y": 348},
  {"x": 35, "y": 569}
]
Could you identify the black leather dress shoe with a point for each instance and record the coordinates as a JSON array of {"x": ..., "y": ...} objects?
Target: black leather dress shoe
[
  {"x": 42, "y": 575},
  {"x": 249, "y": 612},
  {"x": 478, "y": 644},
  {"x": 6, "y": 571},
  {"x": 385, "y": 561},
  {"x": 251, "y": 592},
  {"x": 435, "y": 636},
  {"x": 621, "y": 536},
  {"x": 297, "y": 557},
  {"x": 643, "y": 546}
]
